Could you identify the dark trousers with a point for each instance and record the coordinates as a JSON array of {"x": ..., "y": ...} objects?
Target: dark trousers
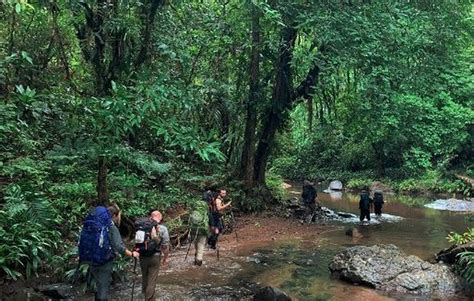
[
  {"x": 103, "y": 277},
  {"x": 364, "y": 213},
  {"x": 150, "y": 266},
  {"x": 310, "y": 210},
  {"x": 378, "y": 209}
]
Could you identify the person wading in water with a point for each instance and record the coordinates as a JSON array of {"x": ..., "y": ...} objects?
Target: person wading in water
[{"x": 216, "y": 208}]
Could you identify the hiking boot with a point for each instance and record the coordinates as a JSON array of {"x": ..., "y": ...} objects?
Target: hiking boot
[{"x": 197, "y": 262}]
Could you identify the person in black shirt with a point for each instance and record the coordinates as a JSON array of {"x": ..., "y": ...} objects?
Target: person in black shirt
[
  {"x": 378, "y": 202},
  {"x": 364, "y": 205},
  {"x": 309, "y": 200}
]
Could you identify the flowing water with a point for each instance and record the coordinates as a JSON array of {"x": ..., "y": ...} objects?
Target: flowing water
[
  {"x": 301, "y": 268},
  {"x": 299, "y": 265}
]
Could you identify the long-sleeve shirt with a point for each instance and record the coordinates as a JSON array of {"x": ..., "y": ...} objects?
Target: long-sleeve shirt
[{"x": 116, "y": 240}]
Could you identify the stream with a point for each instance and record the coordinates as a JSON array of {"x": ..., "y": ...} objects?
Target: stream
[{"x": 297, "y": 261}]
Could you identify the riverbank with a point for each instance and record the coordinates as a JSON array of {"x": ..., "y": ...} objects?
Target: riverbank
[
  {"x": 282, "y": 252},
  {"x": 425, "y": 183},
  {"x": 181, "y": 280}
]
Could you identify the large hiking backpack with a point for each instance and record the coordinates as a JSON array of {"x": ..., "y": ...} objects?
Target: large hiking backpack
[
  {"x": 94, "y": 242},
  {"x": 378, "y": 198},
  {"x": 143, "y": 242},
  {"x": 208, "y": 196}
]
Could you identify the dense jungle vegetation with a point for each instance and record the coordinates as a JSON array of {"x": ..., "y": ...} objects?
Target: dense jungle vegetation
[{"x": 143, "y": 102}]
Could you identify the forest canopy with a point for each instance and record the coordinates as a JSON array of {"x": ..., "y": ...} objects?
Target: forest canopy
[{"x": 137, "y": 101}]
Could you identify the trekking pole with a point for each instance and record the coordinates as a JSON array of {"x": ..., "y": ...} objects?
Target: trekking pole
[
  {"x": 134, "y": 275},
  {"x": 190, "y": 243}
]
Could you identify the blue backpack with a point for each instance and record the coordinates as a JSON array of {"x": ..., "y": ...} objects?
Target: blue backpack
[{"x": 94, "y": 243}]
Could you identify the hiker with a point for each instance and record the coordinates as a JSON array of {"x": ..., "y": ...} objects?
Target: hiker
[
  {"x": 309, "y": 200},
  {"x": 199, "y": 228},
  {"x": 99, "y": 250},
  {"x": 216, "y": 207},
  {"x": 364, "y": 206},
  {"x": 378, "y": 202},
  {"x": 152, "y": 242}
]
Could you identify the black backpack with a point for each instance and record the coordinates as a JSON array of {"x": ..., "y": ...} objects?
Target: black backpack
[
  {"x": 208, "y": 196},
  {"x": 143, "y": 242}
]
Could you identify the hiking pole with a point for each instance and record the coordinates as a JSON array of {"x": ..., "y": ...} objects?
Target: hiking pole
[
  {"x": 134, "y": 275},
  {"x": 190, "y": 243}
]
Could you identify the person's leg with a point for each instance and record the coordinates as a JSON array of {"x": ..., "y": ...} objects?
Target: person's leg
[
  {"x": 199, "y": 245},
  {"x": 212, "y": 240},
  {"x": 378, "y": 210},
  {"x": 144, "y": 263},
  {"x": 367, "y": 213},
  {"x": 152, "y": 277},
  {"x": 103, "y": 276},
  {"x": 362, "y": 215}
]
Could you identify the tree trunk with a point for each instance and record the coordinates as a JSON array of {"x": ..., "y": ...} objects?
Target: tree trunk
[
  {"x": 102, "y": 193},
  {"x": 281, "y": 101},
  {"x": 379, "y": 159},
  {"x": 248, "y": 149},
  {"x": 310, "y": 114}
]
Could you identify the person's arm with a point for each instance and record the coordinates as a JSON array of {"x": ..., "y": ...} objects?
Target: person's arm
[
  {"x": 221, "y": 207},
  {"x": 117, "y": 243},
  {"x": 165, "y": 243}
]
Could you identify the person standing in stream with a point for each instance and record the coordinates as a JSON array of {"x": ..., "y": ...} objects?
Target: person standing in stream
[
  {"x": 364, "y": 205},
  {"x": 378, "y": 202}
]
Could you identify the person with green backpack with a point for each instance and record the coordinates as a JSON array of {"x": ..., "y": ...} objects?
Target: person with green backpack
[{"x": 199, "y": 230}]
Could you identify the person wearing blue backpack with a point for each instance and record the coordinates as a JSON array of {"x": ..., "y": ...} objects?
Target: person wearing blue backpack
[{"x": 99, "y": 243}]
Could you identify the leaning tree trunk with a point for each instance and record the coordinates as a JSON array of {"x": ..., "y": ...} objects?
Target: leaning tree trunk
[
  {"x": 281, "y": 101},
  {"x": 248, "y": 151}
]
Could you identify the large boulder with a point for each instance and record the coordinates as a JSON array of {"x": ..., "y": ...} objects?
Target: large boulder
[
  {"x": 335, "y": 185},
  {"x": 452, "y": 205},
  {"x": 387, "y": 268}
]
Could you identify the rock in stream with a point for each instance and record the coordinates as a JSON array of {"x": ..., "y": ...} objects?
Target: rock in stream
[{"x": 387, "y": 268}]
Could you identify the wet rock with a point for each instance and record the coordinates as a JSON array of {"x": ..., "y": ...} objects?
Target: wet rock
[
  {"x": 221, "y": 293},
  {"x": 353, "y": 232},
  {"x": 387, "y": 268},
  {"x": 270, "y": 294},
  {"x": 294, "y": 203},
  {"x": 57, "y": 291},
  {"x": 335, "y": 185},
  {"x": 452, "y": 205},
  {"x": 346, "y": 215},
  {"x": 448, "y": 255}
]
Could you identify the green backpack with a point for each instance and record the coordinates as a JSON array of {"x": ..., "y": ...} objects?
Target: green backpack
[{"x": 199, "y": 220}]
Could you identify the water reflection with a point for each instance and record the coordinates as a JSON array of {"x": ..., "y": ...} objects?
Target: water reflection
[
  {"x": 422, "y": 231},
  {"x": 302, "y": 270}
]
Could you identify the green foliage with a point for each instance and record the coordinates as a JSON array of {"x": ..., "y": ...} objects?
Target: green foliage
[
  {"x": 27, "y": 233},
  {"x": 275, "y": 184},
  {"x": 393, "y": 102},
  {"x": 359, "y": 183},
  {"x": 460, "y": 239},
  {"x": 466, "y": 265},
  {"x": 465, "y": 260}
]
